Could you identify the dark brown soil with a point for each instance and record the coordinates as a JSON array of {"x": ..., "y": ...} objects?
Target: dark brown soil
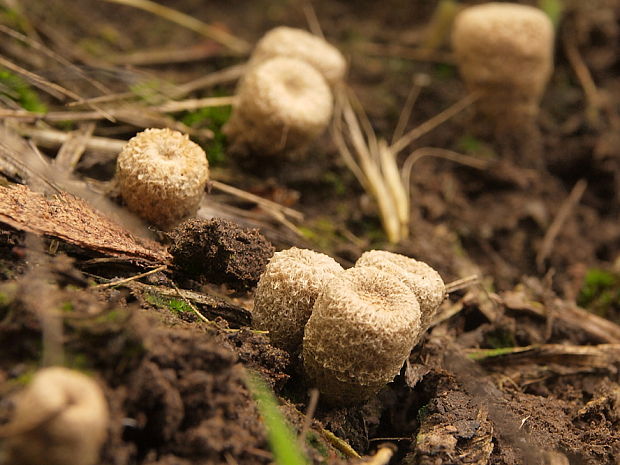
[
  {"x": 220, "y": 252},
  {"x": 513, "y": 372}
]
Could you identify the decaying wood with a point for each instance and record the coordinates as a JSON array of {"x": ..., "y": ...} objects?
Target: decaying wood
[{"x": 72, "y": 220}]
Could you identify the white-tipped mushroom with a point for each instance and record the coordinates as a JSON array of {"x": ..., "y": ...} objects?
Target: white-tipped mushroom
[
  {"x": 505, "y": 52},
  {"x": 283, "y": 104},
  {"x": 363, "y": 326},
  {"x": 296, "y": 43},
  {"x": 60, "y": 418},
  {"x": 162, "y": 176}
]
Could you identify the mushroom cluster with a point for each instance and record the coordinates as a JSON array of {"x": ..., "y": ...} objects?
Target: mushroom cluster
[
  {"x": 354, "y": 328},
  {"x": 284, "y": 101}
]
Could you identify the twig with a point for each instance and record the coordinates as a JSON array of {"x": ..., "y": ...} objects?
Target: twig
[
  {"x": 228, "y": 40},
  {"x": 558, "y": 222},
  {"x": 131, "y": 278},
  {"x": 340, "y": 444}
]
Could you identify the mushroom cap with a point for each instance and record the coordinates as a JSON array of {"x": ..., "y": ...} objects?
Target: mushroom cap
[
  {"x": 282, "y": 105},
  {"x": 61, "y": 417},
  {"x": 422, "y": 279},
  {"x": 162, "y": 176},
  {"x": 297, "y": 43},
  {"x": 363, "y": 326},
  {"x": 505, "y": 50},
  {"x": 286, "y": 293}
]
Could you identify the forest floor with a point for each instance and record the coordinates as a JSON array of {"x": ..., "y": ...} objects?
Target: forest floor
[{"x": 520, "y": 367}]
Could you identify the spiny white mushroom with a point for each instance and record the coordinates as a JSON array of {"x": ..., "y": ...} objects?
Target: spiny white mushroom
[
  {"x": 422, "y": 279},
  {"x": 60, "y": 418},
  {"x": 162, "y": 176},
  {"x": 282, "y": 105},
  {"x": 286, "y": 293},
  {"x": 505, "y": 52},
  {"x": 296, "y": 43},
  {"x": 363, "y": 326}
]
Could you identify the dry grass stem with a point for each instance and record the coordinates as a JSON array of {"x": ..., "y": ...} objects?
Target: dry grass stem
[
  {"x": 434, "y": 122},
  {"x": 340, "y": 444},
  {"x": 235, "y": 44},
  {"x": 195, "y": 104},
  {"x": 419, "y": 81},
  {"x": 370, "y": 166},
  {"x": 73, "y": 147},
  {"x": 555, "y": 228},
  {"x": 52, "y": 138},
  {"x": 310, "y": 411},
  {"x": 140, "y": 117},
  {"x": 38, "y": 46},
  {"x": 164, "y": 57},
  {"x": 462, "y": 283},
  {"x": 373, "y": 161},
  {"x": 586, "y": 81},
  {"x": 223, "y": 76},
  {"x": 418, "y": 154},
  {"x": 131, "y": 278},
  {"x": 267, "y": 204}
]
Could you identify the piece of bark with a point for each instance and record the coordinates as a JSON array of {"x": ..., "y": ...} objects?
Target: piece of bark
[{"x": 72, "y": 220}]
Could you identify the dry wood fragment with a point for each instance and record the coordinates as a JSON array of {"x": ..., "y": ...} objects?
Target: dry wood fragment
[{"x": 72, "y": 220}]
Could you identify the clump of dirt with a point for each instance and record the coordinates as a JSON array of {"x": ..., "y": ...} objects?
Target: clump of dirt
[
  {"x": 220, "y": 252},
  {"x": 172, "y": 392}
]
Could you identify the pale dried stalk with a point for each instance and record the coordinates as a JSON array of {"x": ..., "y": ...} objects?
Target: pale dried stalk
[
  {"x": 373, "y": 160},
  {"x": 365, "y": 163},
  {"x": 219, "y": 35}
]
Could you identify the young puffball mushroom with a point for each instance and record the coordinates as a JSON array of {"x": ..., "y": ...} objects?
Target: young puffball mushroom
[
  {"x": 60, "y": 418},
  {"x": 286, "y": 293},
  {"x": 296, "y": 43},
  {"x": 162, "y": 176},
  {"x": 363, "y": 326},
  {"x": 282, "y": 105},
  {"x": 505, "y": 51},
  {"x": 423, "y": 280}
]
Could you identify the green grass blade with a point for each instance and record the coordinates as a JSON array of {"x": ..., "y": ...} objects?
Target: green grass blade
[{"x": 282, "y": 441}]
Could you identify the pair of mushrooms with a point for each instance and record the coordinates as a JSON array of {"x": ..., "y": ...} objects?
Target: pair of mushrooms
[
  {"x": 284, "y": 101},
  {"x": 60, "y": 418},
  {"x": 354, "y": 328},
  {"x": 504, "y": 52}
]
